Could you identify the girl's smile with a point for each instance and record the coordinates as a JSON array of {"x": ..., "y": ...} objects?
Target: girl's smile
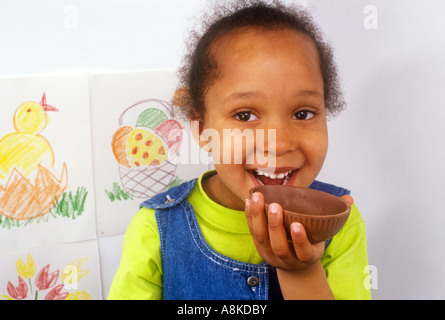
[
  {"x": 266, "y": 80},
  {"x": 284, "y": 176}
]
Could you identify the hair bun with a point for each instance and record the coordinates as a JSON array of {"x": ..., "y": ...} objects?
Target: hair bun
[{"x": 181, "y": 97}]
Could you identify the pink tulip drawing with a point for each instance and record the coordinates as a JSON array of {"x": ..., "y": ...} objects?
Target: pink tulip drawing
[
  {"x": 55, "y": 294},
  {"x": 20, "y": 292},
  {"x": 45, "y": 279}
]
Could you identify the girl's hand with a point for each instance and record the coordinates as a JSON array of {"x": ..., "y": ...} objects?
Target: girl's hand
[
  {"x": 270, "y": 238},
  {"x": 299, "y": 269}
]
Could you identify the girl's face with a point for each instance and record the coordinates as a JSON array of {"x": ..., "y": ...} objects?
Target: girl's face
[{"x": 266, "y": 80}]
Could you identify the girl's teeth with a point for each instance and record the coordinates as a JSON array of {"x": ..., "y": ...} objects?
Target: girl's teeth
[
  {"x": 285, "y": 180},
  {"x": 273, "y": 175},
  {"x": 285, "y": 175}
]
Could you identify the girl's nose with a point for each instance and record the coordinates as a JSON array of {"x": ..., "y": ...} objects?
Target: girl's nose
[
  {"x": 286, "y": 139},
  {"x": 280, "y": 138}
]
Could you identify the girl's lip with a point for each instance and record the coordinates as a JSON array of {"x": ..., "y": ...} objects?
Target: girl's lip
[
  {"x": 284, "y": 169},
  {"x": 252, "y": 177}
]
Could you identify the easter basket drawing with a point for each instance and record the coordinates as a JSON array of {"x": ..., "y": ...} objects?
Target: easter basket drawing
[{"x": 147, "y": 151}]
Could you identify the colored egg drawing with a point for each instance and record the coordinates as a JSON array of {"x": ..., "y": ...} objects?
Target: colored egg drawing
[
  {"x": 171, "y": 132},
  {"x": 154, "y": 138}
]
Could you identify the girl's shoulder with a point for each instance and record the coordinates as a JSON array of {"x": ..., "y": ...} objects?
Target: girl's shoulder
[
  {"x": 329, "y": 188},
  {"x": 170, "y": 197}
]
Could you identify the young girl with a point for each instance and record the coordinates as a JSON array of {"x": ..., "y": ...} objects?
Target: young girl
[{"x": 257, "y": 67}]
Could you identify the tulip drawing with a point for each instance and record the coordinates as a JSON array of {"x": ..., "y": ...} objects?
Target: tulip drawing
[
  {"x": 27, "y": 270},
  {"x": 20, "y": 292},
  {"x": 55, "y": 294},
  {"x": 49, "y": 285},
  {"x": 73, "y": 273},
  {"x": 45, "y": 279}
]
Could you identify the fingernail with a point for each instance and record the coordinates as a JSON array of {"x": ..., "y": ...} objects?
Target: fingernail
[
  {"x": 247, "y": 202},
  {"x": 255, "y": 197},
  {"x": 296, "y": 227},
  {"x": 273, "y": 208}
]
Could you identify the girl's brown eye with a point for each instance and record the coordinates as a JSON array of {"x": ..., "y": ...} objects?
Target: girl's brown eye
[
  {"x": 304, "y": 115},
  {"x": 245, "y": 116}
]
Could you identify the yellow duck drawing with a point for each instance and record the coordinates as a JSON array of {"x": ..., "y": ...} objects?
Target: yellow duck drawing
[{"x": 26, "y": 149}]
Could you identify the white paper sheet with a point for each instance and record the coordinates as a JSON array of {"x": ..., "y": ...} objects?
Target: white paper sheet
[
  {"x": 65, "y": 271},
  {"x": 137, "y": 101},
  {"x": 52, "y": 163}
]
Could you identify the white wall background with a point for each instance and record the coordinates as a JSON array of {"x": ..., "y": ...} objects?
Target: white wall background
[{"x": 388, "y": 146}]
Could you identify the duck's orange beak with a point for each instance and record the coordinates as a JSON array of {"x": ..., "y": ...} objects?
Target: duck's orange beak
[{"x": 46, "y": 106}]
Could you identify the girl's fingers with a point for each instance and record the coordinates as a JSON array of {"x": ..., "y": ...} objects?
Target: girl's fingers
[
  {"x": 258, "y": 222},
  {"x": 305, "y": 251},
  {"x": 277, "y": 234},
  {"x": 270, "y": 238},
  {"x": 348, "y": 199},
  {"x": 248, "y": 213}
]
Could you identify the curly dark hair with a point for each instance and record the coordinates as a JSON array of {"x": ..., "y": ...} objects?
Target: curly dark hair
[{"x": 200, "y": 67}]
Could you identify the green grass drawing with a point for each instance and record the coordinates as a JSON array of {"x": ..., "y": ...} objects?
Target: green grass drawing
[
  {"x": 70, "y": 205},
  {"x": 118, "y": 193}
]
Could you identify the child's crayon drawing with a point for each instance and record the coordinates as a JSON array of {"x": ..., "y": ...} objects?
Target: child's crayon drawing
[
  {"x": 20, "y": 199},
  {"x": 147, "y": 151},
  {"x": 26, "y": 149},
  {"x": 28, "y": 189},
  {"x": 47, "y": 283}
]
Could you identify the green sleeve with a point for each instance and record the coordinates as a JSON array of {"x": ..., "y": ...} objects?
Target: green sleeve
[
  {"x": 346, "y": 259},
  {"x": 139, "y": 276}
]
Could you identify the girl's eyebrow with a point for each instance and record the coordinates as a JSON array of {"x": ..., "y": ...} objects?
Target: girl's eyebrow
[
  {"x": 239, "y": 95},
  {"x": 310, "y": 93}
]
